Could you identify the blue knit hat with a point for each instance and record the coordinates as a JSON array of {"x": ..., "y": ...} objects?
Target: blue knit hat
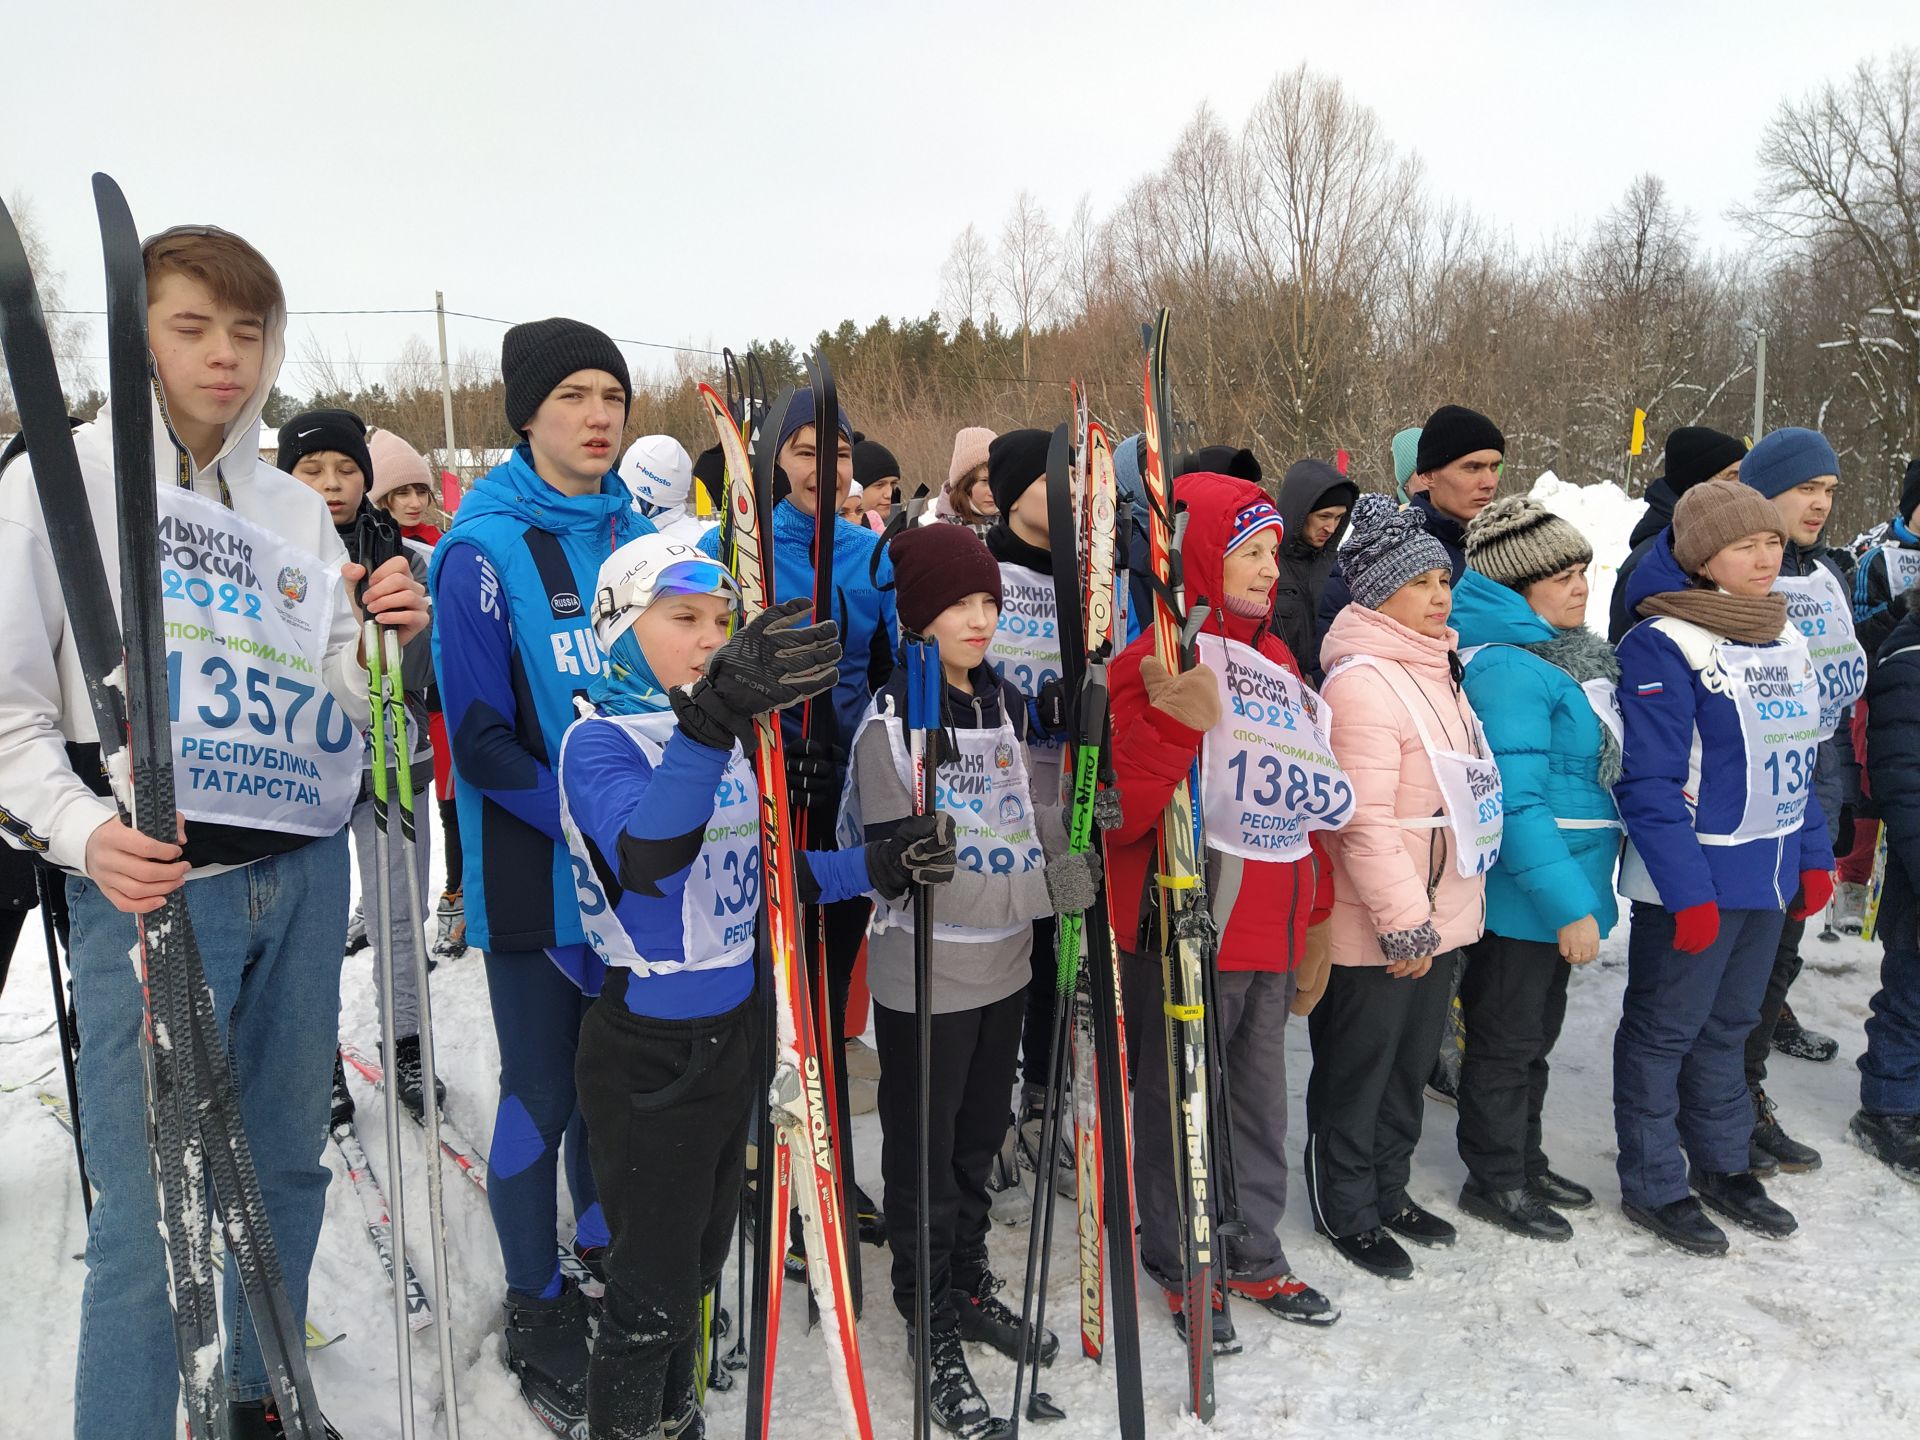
[
  {"x": 800, "y": 412},
  {"x": 1786, "y": 458}
]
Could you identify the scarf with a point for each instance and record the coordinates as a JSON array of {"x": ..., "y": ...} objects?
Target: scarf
[
  {"x": 625, "y": 685},
  {"x": 1586, "y": 656},
  {"x": 1749, "y": 619}
]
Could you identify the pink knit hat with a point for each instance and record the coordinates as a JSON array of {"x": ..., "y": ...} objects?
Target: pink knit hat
[
  {"x": 969, "y": 452},
  {"x": 395, "y": 463}
]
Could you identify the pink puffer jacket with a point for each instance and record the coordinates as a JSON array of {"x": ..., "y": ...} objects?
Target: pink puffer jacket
[{"x": 1387, "y": 877}]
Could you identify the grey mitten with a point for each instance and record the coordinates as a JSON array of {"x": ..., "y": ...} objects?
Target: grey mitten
[
  {"x": 1107, "y": 809},
  {"x": 1073, "y": 882},
  {"x": 1412, "y": 944}
]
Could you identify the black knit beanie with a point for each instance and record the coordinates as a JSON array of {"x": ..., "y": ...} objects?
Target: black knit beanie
[
  {"x": 1695, "y": 453},
  {"x": 1014, "y": 461},
  {"x": 936, "y": 565},
  {"x": 1910, "y": 490},
  {"x": 872, "y": 463},
  {"x": 1453, "y": 431},
  {"x": 537, "y": 356},
  {"x": 340, "y": 431},
  {"x": 1222, "y": 460}
]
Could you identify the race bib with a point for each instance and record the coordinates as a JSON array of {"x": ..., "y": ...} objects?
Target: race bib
[
  {"x": 1268, "y": 776},
  {"x": 1025, "y": 648},
  {"x": 257, "y": 739},
  {"x": 1820, "y": 610},
  {"x": 1774, "y": 689},
  {"x": 1903, "y": 568}
]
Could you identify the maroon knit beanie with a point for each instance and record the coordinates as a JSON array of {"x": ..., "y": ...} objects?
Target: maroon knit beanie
[{"x": 936, "y": 565}]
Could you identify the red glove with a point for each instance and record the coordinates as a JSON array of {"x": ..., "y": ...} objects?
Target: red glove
[
  {"x": 1816, "y": 888},
  {"x": 1696, "y": 927}
]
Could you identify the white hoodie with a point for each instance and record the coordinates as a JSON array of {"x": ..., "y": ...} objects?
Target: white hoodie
[{"x": 44, "y": 805}]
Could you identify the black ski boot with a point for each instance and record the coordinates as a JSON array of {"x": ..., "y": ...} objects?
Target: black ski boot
[
  {"x": 985, "y": 1317},
  {"x": 342, "y": 1097},
  {"x": 1287, "y": 1296},
  {"x": 1790, "y": 1155},
  {"x": 1743, "y": 1200},
  {"x": 1374, "y": 1251},
  {"x": 1682, "y": 1224},
  {"x": 953, "y": 1399},
  {"x": 1893, "y": 1140},
  {"x": 1790, "y": 1037},
  {"x": 1516, "y": 1211},
  {"x": 407, "y": 1077},
  {"x": 1559, "y": 1192},
  {"x": 548, "y": 1348},
  {"x": 1226, "y": 1340},
  {"x": 260, "y": 1420},
  {"x": 1423, "y": 1227}
]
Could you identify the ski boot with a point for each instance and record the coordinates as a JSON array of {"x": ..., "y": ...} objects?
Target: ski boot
[
  {"x": 985, "y": 1318},
  {"x": 342, "y": 1097},
  {"x": 356, "y": 931},
  {"x": 953, "y": 1398},
  {"x": 1791, "y": 1038},
  {"x": 868, "y": 1217},
  {"x": 1287, "y": 1296},
  {"x": 260, "y": 1420},
  {"x": 1893, "y": 1140},
  {"x": 1226, "y": 1340},
  {"x": 407, "y": 1077},
  {"x": 1007, "y": 1198},
  {"x": 548, "y": 1348},
  {"x": 450, "y": 926}
]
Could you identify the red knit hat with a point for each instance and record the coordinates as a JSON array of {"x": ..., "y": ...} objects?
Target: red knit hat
[{"x": 936, "y": 565}]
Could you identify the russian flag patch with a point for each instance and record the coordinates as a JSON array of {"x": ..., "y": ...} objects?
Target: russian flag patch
[{"x": 1652, "y": 687}]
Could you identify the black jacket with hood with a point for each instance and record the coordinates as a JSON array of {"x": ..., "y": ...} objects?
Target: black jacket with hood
[{"x": 1309, "y": 485}]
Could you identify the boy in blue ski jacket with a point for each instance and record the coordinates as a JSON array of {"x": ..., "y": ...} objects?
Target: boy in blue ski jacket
[
  {"x": 513, "y": 647},
  {"x": 660, "y": 806},
  {"x": 1720, "y": 710}
]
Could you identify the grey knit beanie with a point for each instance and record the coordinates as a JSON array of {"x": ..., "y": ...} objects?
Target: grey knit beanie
[
  {"x": 1386, "y": 548},
  {"x": 1516, "y": 540}
]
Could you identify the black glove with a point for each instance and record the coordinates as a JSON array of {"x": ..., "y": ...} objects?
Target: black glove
[
  {"x": 920, "y": 852},
  {"x": 815, "y": 770},
  {"x": 769, "y": 663},
  {"x": 1050, "y": 706}
]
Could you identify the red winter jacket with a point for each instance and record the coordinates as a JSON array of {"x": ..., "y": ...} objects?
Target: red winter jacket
[
  {"x": 1274, "y": 901},
  {"x": 425, "y": 534}
]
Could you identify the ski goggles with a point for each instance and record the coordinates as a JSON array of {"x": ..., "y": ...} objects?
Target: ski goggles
[{"x": 682, "y": 577}]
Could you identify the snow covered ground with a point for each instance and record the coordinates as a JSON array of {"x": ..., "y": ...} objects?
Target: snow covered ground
[{"x": 1610, "y": 1335}]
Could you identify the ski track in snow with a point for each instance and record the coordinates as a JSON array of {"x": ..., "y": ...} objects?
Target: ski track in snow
[{"x": 1611, "y": 1334}]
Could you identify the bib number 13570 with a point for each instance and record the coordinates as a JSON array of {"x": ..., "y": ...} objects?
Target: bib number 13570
[{"x": 270, "y": 704}]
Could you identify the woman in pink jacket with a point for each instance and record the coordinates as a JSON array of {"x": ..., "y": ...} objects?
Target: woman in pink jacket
[{"x": 1409, "y": 882}]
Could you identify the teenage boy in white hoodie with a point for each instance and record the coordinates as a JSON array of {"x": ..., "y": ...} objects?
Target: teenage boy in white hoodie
[{"x": 264, "y": 864}]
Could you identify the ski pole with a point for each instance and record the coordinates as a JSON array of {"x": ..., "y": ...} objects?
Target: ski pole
[
  {"x": 924, "y": 678},
  {"x": 374, "y": 648},
  {"x": 63, "y": 1020},
  {"x": 396, "y": 712}
]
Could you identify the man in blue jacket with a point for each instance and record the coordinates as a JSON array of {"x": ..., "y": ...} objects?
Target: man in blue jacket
[
  {"x": 513, "y": 646},
  {"x": 863, "y": 607}
]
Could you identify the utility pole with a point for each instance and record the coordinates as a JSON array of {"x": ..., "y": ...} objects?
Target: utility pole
[
  {"x": 446, "y": 378},
  {"x": 1759, "y": 383}
]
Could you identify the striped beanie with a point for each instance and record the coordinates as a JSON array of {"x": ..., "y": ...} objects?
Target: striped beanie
[{"x": 1258, "y": 516}]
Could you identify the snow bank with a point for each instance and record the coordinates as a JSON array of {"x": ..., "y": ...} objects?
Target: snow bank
[{"x": 1606, "y": 515}]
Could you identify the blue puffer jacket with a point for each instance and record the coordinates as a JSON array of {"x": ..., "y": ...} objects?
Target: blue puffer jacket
[
  {"x": 1548, "y": 740},
  {"x": 1685, "y": 773},
  {"x": 862, "y": 604}
]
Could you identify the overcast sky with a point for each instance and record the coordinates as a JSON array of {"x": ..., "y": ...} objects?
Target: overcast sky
[{"x": 698, "y": 174}]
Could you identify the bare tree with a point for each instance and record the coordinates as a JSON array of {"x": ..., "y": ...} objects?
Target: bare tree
[
  {"x": 966, "y": 280},
  {"x": 1029, "y": 270},
  {"x": 1085, "y": 259},
  {"x": 69, "y": 333}
]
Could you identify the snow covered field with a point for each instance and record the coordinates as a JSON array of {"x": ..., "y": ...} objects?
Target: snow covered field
[{"x": 1610, "y": 1335}]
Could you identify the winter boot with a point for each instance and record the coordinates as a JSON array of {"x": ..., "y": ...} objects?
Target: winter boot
[
  {"x": 1287, "y": 1296},
  {"x": 1516, "y": 1211},
  {"x": 1374, "y": 1251},
  {"x": 1033, "y": 1099},
  {"x": 260, "y": 1420},
  {"x": 1791, "y": 1038},
  {"x": 1444, "y": 1083},
  {"x": 1849, "y": 913},
  {"x": 1791, "y": 1155},
  {"x": 1559, "y": 1192},
  {"x": 342, "y": 1097},
  {"x": 1894, "y": 1140},
  {"x": 356, "y": 931},
  {"x": 1423, "y": 1227},
  {"x": 953, "y": 1399},
  {"x": 985, "y": 1318},
  {"x": 1682, "y": 1224},
  {"x": 1743, "y": 1200},
  {"x": 407, "y": 1077},
  {"x": 1761, "y": 1162},
  {"x": 450, "y": 925},
  {"x": 548, "y": 1348},
  {"x": 867, "y": 1215},
  {"x": 863, "y": 1061},
  {"x": 1226, "y": 1340},
  {"x": 1006, "y": 1196}
]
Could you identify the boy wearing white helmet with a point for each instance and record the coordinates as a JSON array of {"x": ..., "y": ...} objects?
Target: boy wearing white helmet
[
  {"x": 660, "y": 808},
  {"x": 659, "y": 473}
]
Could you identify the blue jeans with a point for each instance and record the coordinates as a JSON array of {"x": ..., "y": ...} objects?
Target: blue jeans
[
  {"x": 270, "y": 938},
  {"x": 1890, "y": 1068},
  {"x": 537, "y": 1012},
  {"x": 1679, "y": 1056}
]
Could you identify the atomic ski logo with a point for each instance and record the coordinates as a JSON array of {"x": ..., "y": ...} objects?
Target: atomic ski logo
[{"x": 292, "y": 583}]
